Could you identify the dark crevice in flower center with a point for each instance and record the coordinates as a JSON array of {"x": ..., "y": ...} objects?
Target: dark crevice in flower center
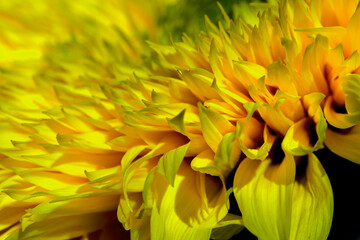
[
  {"x": 271, "y": 89},
  {"x": 257, "y": 116},
  {"x": 276, "y": 153},
  {"x": 301, "y": 165},
  {"x": 338, "y": 130},
  {"x": 311, "y": 126},
  {"x": 234, "y": 208},
  {"x": 339, "y": 109}
]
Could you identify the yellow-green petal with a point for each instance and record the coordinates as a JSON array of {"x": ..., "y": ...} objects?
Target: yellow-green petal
[
  {"x": 345, "y": 143},
  {"x": 170, "y": 162},
  {"x": 229, "y": 226},
  {"x": 190, "y": 208},
  {"x": 263, "y": 191},
  {"x": 312, "y": 204}
]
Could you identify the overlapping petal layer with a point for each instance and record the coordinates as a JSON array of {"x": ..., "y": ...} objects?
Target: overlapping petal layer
[{"x": 100, "y": 124}]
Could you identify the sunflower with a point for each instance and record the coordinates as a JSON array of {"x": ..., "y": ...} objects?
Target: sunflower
[
  {"x": 102, "y": 128},
  {"x": 55, "y": 125}
]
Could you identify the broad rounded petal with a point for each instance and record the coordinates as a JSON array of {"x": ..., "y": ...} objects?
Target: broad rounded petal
[
  {"x": 190, "y": 208},
  {"x": 312, "y": 206},
  {"x": 345, "y": 143},
  {"x": 263, "y": 191},
  {"x": 277, "y": 204}
]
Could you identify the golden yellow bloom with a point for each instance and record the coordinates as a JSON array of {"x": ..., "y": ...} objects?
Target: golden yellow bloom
[
  {"x": 99, "y": 126},
  {"x": 54, "y": 122}
]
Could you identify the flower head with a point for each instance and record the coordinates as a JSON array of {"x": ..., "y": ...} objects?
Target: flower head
[{"x": 104, "y": 126}]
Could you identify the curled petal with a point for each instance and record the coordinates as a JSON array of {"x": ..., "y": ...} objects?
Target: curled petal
[
  {"x": 336, "y": 119},
  {"x": 307, "y": 135},
  {"x": 346, "y": 95},
  {"x": 345, "y": 143}
]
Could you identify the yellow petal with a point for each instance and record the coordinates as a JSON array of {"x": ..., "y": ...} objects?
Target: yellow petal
[
  {"x": 204, "y": 163},
  {"x": 177, "y": 123},
  {"x": 170, "y": 162},
  {"x": 300, "y": 138},
  {"x": 11, "y": 211},
  {"x": 350, "y": 90},
  {"x": 51, "y": 210},
  {"x": 5, "y": 235},
  {"x": 141, "y": 229},
  {"x": 199, "y": 82},
  {"x": 255, "y": 139},
  {"x": 50, "y": 180},
  {"x": 263, "y": 191},
  {"x": 10, "y": 132},
  {"x": 133, "y": 218},
  {"x": 190, "y": 209},
  {"x": 228, "y": 152},
  {"x": 336, "y": 119},
  {"x": 353, "y": 37},
  {"x": 271, "y": 114},
  {"x": 307, "y": 135},
  {"x": 312, "y": 74},
  {"x": 279, "y": 77},
  {"x": 351, "y": 87},
  {"x": 229, "y": 226},
  {"x": 277, "y": 204},
  {"x": 130, "y": 155},
  {"x": 126, "y": 215},
  {"x": 345, "y": 143},
  {"x": 62, "y": 227},
  {"x": 312, "y": 205},
  {"x": 214, "y": 126}
]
